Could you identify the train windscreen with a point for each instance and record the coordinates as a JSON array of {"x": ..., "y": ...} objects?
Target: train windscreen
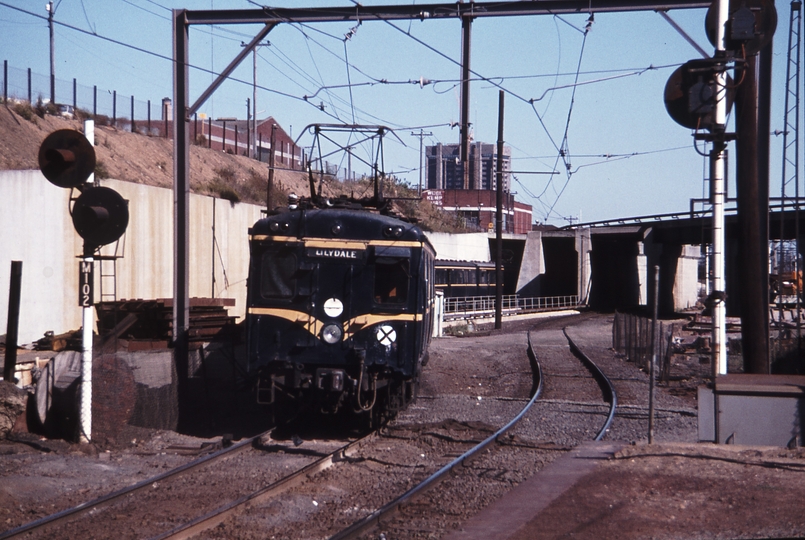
[
  {"x": 277, "y": 276},
  {"x": 391, "y": 280}
]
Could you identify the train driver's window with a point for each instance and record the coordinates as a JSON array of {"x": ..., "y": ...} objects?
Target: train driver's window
[
  {"x": 391, "y": 280},
  {"x": 278, "y": 275}
]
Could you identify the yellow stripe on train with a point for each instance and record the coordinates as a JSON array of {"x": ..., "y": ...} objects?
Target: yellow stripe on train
[{"x": 351, "y": 327}]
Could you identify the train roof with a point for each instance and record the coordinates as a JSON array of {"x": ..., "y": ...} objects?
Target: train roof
[
  {"x": 337, "y": 223},
  {"x": 448, "y": 263}
]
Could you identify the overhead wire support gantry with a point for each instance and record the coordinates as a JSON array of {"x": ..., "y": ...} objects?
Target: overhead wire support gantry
[
  {"x": 182, "y": 19},
  {"x": 790, "y": 165}
]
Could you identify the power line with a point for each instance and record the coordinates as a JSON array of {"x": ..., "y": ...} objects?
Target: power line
[
  {"x": 160, "y": 56},
  {"x": 293, "y": 67},
  {"x": 163, "y": 17},
  {"x": 158, "y": 5},
  {"x": 564, "y": 151}
]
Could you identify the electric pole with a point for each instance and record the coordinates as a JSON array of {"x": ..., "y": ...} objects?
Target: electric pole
[
  {"x": 249, "y": 132},
  {"x": 253, "y": 126},
  {"x": 466, "y": 32},
  {"x": 51, "y": 12},
  {"x": 421, "y": 136}
]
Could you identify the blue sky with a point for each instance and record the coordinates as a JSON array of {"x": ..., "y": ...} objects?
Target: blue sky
[{"x": 626, "y": 156}]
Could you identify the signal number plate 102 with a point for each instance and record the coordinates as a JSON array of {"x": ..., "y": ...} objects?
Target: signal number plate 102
[{"x": 85, "y": 282}]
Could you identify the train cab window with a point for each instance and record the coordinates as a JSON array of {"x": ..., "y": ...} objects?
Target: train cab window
[
  {"x": 278, "y": 275},
  {"x": 391, "y": 280}
]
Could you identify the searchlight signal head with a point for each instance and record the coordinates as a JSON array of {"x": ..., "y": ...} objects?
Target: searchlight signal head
[
  {"x": 750, "y": 26},
  {"x": 100, "y": 214},
  {"x": 66, "y": 158},
  {"x": 691, "y": 92}
]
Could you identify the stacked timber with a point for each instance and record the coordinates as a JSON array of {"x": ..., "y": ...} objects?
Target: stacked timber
[{"x": 209, "y": 320}]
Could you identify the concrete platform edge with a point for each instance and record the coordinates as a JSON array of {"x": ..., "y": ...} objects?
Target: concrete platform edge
[{"x": 503, "y": 518}]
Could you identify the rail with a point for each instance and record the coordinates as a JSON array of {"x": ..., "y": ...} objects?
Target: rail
[
  {"x": 354, "y": 530},
  {"x": 607, "y": 388},
  {"x": 94, "y": 505},
  {"x": 219, "y": 515},
  {"x": 511, "y": 304},
  {"x": 360, "y": 527},
  {"x": 209, "y": 520}
]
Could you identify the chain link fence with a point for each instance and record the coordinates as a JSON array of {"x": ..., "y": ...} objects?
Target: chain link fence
[
  {"x": 106, "y": 106},
  {"x": 631, "y": 336}
]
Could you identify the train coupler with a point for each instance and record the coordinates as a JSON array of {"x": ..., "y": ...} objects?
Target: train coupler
[{"x": 330, "y": 380}]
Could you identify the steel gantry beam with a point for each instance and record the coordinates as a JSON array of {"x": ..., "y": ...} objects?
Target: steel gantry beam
[
  {"x": 432, "y": 11},
  {"x": 270, "y": 17}
]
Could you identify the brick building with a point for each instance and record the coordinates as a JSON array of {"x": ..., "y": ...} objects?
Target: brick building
[
  {"x": 234, "y": 136},
  {"x": 477, "y": 207}
]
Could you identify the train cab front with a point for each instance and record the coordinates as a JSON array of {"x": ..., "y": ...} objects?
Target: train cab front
[{"x": 332, "y": 322}]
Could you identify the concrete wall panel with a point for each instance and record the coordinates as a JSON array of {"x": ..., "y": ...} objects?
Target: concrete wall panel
[
  {"x": 146, "y": 269},
  {"x": 36, "y": 228},
  {"x": 686, "y": 283},
  {"x": 460, "y": 247}
]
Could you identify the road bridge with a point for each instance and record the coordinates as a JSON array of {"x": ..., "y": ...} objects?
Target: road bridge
[{"x": 607, "y": 264}]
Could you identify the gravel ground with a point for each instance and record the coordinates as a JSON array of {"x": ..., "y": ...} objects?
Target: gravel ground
[
  {"x": 468, "y": 391},
  {"x": 472, "y": 385},
  {"x": 675, "y": 415}
]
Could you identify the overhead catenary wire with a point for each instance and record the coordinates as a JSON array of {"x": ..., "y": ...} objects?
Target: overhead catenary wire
[
  {"x": 338, "y": 111},
  {"x": 129, "y": 2},
  {"x": 162, "y": 56},
  {"x": 560, "y": 151},
  {"x": 564, "y": 150}
]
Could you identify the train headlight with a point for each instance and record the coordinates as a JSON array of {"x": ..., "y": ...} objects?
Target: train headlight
[
  {"x": 331, "y": 333},
  {"x": 386, "y": 335},
  {"x": 393, "y": 232},
  {"x": 276, "y": 226}
]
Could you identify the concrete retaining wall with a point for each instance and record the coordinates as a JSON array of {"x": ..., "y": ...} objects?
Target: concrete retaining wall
[
  {"x": 36, "y": 228},
  {"x": 686, "y": 282}
]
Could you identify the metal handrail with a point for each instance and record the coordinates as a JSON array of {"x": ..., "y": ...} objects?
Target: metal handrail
[{"x": 511, "y": 304}]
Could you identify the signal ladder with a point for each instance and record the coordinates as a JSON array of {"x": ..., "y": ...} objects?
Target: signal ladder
[{"x": 107, "y": 283}]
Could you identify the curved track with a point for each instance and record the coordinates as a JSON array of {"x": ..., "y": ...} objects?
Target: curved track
[
  {"x": 383, "y": 513},
  {"x": 215, "y": 517},
  {"x": 603, "y": 381},
  {"x": 388, "y": 509}
]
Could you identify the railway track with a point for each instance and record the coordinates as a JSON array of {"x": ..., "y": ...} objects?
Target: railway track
[
  {"x": 376, "y": 517},
  {"x": 42, "y": 525},
  {"x": 431, "y": 512},
  {"x": 220, "y": 514},
  {"x": 607, "y": 388},
  {"x": 426, "y": 462},
  {"x": 134, "y": 502}
]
